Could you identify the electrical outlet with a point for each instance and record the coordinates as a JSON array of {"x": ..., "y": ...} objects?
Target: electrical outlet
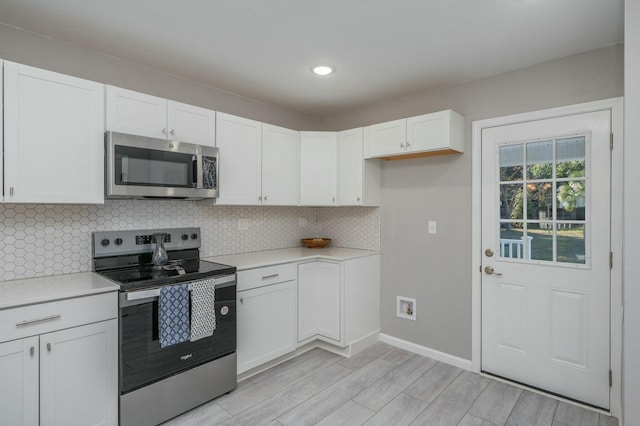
[
  {"x": 243, "y": 224},
  {"x": 432, "y": 227}
]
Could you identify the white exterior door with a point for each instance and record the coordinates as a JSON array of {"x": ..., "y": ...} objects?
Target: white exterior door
[{"x": 546, "y": 245}]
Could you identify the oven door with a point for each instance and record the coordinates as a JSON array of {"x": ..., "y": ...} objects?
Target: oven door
[{"x": 143, "y": 361}]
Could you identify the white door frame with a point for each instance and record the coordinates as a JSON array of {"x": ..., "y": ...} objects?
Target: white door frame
[{"x": 616, "y": 107}]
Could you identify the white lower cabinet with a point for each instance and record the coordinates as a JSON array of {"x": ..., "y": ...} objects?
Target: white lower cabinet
[
  {"x": 266, "y": 316},
  {"x": 64, "y": 377},
  {"x": 319, "y": 300}
]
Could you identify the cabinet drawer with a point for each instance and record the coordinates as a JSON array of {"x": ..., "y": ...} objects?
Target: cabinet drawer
[
  {"x": 16, "y": 323},
  {"x": 259, "y": 277}
]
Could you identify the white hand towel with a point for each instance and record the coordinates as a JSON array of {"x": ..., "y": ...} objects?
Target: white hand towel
[{"x": 203, "y": 312}]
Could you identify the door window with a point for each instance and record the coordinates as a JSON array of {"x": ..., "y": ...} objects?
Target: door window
[{"x": 543, "y": 200}]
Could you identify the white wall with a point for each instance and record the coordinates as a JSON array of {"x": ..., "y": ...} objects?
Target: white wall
[
  {"x": 631, "y": 271},
  {"x": 436, "y": 269}
]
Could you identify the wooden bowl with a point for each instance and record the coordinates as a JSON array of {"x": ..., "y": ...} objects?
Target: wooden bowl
[{"x": 316, "y": 242}]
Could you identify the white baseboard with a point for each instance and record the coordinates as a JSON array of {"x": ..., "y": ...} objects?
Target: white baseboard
[{"x": 428, "y": 352}]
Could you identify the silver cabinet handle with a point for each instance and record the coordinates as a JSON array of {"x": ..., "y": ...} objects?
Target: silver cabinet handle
[
  {"x": 401, "y": 145},
  {"x": 260, "y": 198},
  {"x": 33, "y": 321},
  {"x": 408, "y": 145},
  {"x": 48, "y": 346},
  {"x": 265, "y": 198},
  {"x": 11, "y": 190},
  {"x": 172, "y": 132},
  {"x": 32, "y": 351},
  {"x": 358, "y": 199},
  {"x": 164, "y": 131},
  {"x": 242, "y": 300},
  {"x": 333, "y": 199},
  {"x": 266, "y": 277}
]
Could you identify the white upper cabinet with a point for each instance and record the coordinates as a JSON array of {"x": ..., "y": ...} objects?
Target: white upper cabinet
[
  {"x": 136, "y": 113},
  {"x": 437, "y": 133},
  {"x": 358, "y": 179},
  {"x": 280, "y": 166},
  {"x": 240, "y": 143},
  {"x": 318, "y": 168},
  {"x": 145, "y": 115},
  {"x": 386, "y": 138},
  {"x": 259, "y": 163},
  {"x": 53, "y": 137},
  {"x": 188, "y": 123}
]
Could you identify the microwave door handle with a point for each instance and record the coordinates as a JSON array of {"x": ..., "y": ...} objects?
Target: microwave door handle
[
  {"x": 124, "y": 176},
  {"x": 199, "y": 180}
]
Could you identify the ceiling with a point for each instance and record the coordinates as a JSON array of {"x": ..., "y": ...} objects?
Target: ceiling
[{"x": 381, "y": 49}]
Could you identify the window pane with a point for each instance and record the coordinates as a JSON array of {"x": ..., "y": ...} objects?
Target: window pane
[
  {"x": 511, "y": 162},
  {"x": 570, "y": 157},
  {"x": 540, "y": 160},
  {"x": 541, "y": 240},
  {"x": 511, "y": 240},
  {"x": 511, "y": 201},
  {"x": 540, "y": 201},
  {"x": 571, "y": 200},
  {"x": 571, "y": 243}
]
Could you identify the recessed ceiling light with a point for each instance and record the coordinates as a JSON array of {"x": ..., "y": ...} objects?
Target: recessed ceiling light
[{"x": 322, "y": 70}]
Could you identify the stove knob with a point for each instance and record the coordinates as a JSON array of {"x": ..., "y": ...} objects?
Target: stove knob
[
  {"x": 184, "y": 237},
  {"x": 194, "y": 236},
  {"x": 118, "y": 241},
  {"x": 104, "y": 242}
]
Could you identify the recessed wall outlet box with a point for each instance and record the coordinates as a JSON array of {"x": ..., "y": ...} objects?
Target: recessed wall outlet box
[
  {"x": 243, "y": 224},
  {"x": 432, "y": 227},
  {"x": 406, "y": 308},
  {"x": 302, "y": 222}
]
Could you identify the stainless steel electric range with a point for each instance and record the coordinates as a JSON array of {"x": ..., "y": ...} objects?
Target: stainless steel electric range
[{"x": 158, "y": 383}]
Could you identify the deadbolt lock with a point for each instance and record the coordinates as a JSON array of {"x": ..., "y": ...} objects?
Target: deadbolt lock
[{"x": 488, "y": 252}]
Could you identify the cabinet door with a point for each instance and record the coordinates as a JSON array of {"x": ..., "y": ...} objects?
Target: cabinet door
[
  {"x": 386, "y": 138},
  {"x": 318, "y": 168},
  {"x": 136, "y": 113},
  {"x": 280, "y": 166},
  {"x": 439, "y": 131},
  {"x": 307, "y": 300},
  {"x": 240, "y": 143},
  {"x": 266, "y": 324},
  {"x": 19, "y": 383},
  {"x": 427, "y": 132},
  {"x": 79, "y": 375},
  {"x": 188, "y": 123},
  {"x": 54, "y": 137},
  {"x": 319, "y": 300},
  {"x": 350, "y": 162},
  {"x": 329, "y": 300}
]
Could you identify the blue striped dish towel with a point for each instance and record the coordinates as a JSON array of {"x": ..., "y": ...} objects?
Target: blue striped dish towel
[
  {"x": 203, "y": 310},
  {"x": 173, "y": 315}
]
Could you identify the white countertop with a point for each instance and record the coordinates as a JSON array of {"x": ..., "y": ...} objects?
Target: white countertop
[
  {"x": 28, "y": 291},
  {"x": 259, "y": 259}
]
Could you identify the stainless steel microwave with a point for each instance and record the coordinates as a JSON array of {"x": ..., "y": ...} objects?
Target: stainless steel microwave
[{"x": 143, "y": 167}]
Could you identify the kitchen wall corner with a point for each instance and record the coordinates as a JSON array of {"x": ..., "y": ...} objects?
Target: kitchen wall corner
[{"x": 352, "y": 227}]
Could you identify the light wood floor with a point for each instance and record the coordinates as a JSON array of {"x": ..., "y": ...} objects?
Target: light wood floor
[{"x": 382, "y": 385}]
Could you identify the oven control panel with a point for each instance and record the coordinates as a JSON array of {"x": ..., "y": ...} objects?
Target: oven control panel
[{"x": 115, "y": 243}]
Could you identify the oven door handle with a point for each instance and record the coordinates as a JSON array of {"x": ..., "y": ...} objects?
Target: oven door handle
[{"x": 155, "y": 292}]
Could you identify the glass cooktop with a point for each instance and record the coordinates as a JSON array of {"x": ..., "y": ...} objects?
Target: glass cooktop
[{"x": 137, "y": 277}]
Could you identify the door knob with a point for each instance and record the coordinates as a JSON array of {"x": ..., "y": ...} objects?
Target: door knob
[
  {"x": 488, "y": 253},
  {"x": 489, "y": 271}
]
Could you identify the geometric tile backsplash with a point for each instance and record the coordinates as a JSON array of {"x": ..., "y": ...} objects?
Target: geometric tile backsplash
[{"x": 46, "y": 239}]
